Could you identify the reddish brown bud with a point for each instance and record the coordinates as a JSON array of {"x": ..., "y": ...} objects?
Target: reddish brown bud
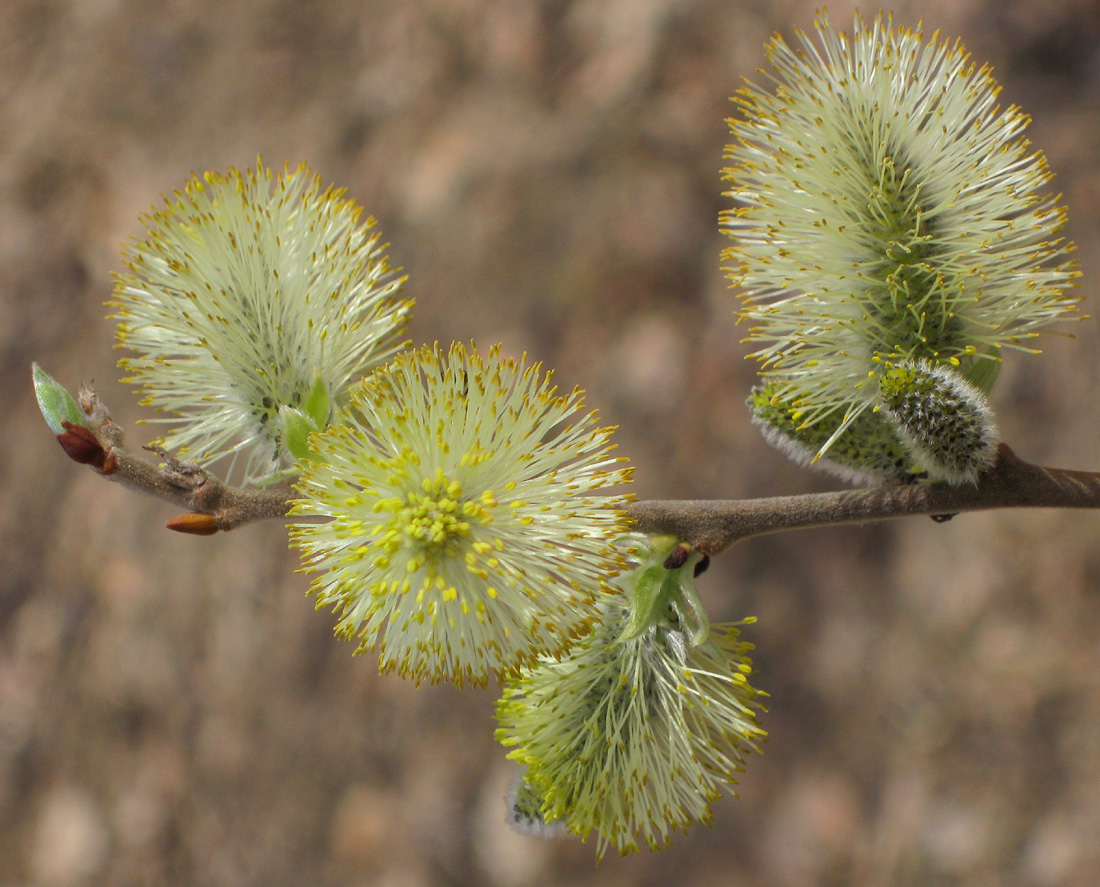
[
  {"x": 194, "y": 524},
  {"x": 81, "y": 445},
  {"x": 678, "y": 557}
]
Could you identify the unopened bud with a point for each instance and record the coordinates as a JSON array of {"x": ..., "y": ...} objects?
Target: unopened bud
[
  {"x": 943, "y": 421},
  {"x": 55, "y": 402},
  {"x": 81, "y": 445},
  {"x": 194, "y": 524},
  {"x": 867, "y": 451}
]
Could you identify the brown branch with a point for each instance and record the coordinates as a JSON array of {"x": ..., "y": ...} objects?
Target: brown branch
[
  {"x": 711, "y": 525},
  {"x": 714, "y": 525},
  {"x": 211, "y": 504}
]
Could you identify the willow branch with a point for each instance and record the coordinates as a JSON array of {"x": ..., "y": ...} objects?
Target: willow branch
[
  {"x": 710, "y": 525},
  {"x": 211, "y": 504},
  {"x": 714, "y": 525}
]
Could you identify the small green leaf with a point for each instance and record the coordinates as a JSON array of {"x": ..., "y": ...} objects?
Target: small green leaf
[
  {"x": 297, "y": 428},
  {"x": 647, "y": 604},
  {"x": 689, "y": 606},
  {"x": 317, "y": 403},
  {"x": 56, "y": 404},
  {"x": 662, "y": 596}
]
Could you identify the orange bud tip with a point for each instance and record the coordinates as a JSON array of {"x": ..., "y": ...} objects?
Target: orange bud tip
[
  {"x": 194, "y": 524},
  {"x": 81, "y": 446}
]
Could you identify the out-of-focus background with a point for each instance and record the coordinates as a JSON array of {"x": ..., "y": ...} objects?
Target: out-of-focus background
[{"x": 173, "y": 711}]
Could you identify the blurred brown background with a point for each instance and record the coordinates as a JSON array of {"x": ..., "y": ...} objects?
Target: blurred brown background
[{"x": 173, "y": 710}]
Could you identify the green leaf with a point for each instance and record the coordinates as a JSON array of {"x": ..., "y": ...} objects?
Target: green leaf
[
  {"x": 317, "y": 403},
  {"x": 56, "y": 404},
  {"x": 661, "y": 595},
  {"x": 297, "y": 428},
  {"x": 689, "y": 606},
  {"x": 647, "y": 603}
]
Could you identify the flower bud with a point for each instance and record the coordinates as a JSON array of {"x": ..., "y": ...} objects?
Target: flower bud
[
  {"x": 867, "y": 451},
  {"x": 943, "y": 421}
]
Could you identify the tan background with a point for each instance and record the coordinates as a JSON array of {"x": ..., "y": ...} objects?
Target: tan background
[{"x": 173, "y": 710}]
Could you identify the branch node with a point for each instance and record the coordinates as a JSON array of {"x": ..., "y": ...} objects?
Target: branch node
[{"x": 180, "y": 474}]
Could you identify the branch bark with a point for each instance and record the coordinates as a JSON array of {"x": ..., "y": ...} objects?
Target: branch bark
[
  {"x": 710, "y": 525},
  {"x": 211, "y": 504},
  {"x": 714, "y": 525}
]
